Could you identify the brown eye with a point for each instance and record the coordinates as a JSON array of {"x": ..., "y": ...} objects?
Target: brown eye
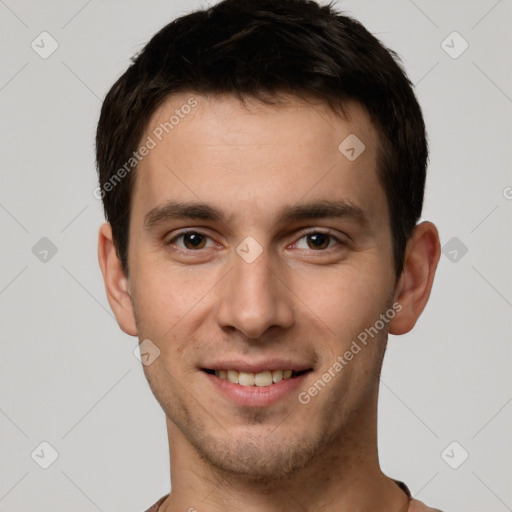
[
  {"x": 194, "y": 240},
  {"x": 317, "y": 241}
]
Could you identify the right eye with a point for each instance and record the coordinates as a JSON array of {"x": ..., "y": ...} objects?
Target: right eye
[{"x": 191, "y": 241}]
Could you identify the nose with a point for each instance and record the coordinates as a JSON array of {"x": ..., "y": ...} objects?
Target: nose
[{"x": 252, "y": 299}]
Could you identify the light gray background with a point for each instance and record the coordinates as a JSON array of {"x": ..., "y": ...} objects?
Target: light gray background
[{"x": 68, "y": 374}]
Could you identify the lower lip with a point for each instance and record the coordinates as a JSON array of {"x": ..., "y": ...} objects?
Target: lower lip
[{"x": 255, "y": 396}]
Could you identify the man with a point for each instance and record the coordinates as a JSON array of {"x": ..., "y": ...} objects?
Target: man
[{"x": 262, "y": 166}]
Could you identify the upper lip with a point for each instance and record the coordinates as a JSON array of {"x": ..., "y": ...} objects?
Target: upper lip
[{"x": 258, "y": 366}]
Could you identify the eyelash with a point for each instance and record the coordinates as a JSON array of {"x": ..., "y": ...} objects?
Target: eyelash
[{"x": 304, "y": 235}]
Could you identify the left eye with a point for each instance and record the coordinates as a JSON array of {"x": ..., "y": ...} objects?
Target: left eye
[
  {"x": 317, "y": 241},
  {"x": 192, "y": 241}
]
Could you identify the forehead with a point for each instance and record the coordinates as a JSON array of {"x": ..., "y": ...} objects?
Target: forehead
[
  {"x": 223, "y": 119},
  {"x": 257, "y": 157}
]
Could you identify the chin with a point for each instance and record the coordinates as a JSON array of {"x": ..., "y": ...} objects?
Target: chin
[{"x": 263, "y": 459}]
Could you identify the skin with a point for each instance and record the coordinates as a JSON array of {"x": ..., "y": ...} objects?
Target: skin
[{"x": 295, "y": 301}]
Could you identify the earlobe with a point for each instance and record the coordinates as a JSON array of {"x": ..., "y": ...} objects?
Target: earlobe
[
  {"x": 117, "y": 285},
  {"x": 415, "y": 284}
]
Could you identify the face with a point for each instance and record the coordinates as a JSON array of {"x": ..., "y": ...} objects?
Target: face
[{"x": 256, "y": 246}]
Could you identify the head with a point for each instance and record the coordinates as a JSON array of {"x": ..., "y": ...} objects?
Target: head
[{"x": 243, "y": 232}]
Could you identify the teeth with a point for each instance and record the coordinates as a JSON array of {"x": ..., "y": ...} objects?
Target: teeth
[
  {"x": 233, "y": 376},
  {"x": 277, "y": 375},
  {"x": 246, "y": 379},
  {"x": 262, "y": 379}
]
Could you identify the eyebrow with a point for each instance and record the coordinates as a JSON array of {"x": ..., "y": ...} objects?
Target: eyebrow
[
  {"x": 324, "y": 209},
  {"x": 173, "y": 210}
]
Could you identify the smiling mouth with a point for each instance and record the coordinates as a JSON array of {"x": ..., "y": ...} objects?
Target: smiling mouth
[{"x": 261, "y": 379}]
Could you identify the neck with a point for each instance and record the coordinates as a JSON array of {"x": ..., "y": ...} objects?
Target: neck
[{"x": 345, "y": 476}]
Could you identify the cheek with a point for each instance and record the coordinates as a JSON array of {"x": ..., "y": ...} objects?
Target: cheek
[
  {"x": 346, "y": 300},
  {"x": 169, "y": 303}
]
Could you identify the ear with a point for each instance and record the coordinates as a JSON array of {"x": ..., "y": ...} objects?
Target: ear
[
  {"x": 116, "y": 283},
  {"x": 413, "y": 290}
]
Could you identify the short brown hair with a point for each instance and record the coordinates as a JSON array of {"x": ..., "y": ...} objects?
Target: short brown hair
[{"x": 259, "y": 49}]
